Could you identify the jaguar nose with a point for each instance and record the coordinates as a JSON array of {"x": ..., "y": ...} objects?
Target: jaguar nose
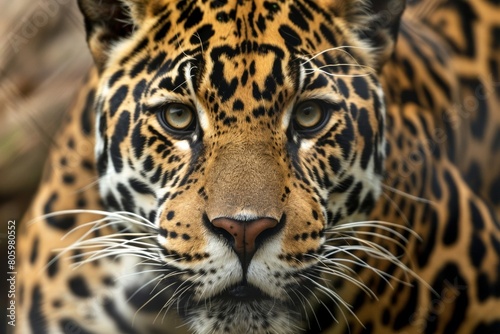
[{"x": 243, "y": 234}]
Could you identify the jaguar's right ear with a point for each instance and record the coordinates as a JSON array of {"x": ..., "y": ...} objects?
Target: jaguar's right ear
[
  {"x": 107, "y": 21},
  {"x": 375, "y": 22}
]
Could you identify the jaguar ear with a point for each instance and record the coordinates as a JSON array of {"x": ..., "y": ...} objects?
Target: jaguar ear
[
  {"x": 374, "y": 21},
  {"x": 107, "y": 21}
]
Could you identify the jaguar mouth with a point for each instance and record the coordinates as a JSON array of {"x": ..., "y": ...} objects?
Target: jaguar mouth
[{"x": 242, "y": 292}]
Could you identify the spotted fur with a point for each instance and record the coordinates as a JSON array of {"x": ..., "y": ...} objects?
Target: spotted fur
[{"x": 381, "y": 216}]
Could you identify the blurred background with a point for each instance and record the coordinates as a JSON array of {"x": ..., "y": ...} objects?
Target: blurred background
[{"x": 43, "y": 59}]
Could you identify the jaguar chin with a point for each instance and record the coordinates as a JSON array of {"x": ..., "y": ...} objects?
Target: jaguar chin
[{"x": 244, "y": 309}]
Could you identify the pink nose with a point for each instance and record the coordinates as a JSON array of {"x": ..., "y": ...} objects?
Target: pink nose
[{"x": 244, "y": 233}]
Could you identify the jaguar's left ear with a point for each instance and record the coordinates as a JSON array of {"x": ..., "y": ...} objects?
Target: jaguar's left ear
[
  {"x": 107, "y": 21},
  {"x": 374, "y": 21}
]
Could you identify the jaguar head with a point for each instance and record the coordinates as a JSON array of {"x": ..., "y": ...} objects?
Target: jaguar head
[{"x": 245, "y": 133}]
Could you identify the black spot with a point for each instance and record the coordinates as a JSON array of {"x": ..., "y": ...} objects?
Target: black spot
[
  {"x": 366, "y": 132},
  {"x": 224, "y": 88},
  {"x": 120, "y": 321},
  {"x": 368, "y": 328},
  {"x": 68, "y": 178},
  {"x": 77, "y": 256},
  {"x": 477, "y": 250},
  {"x": 436, "y": 188},
  {"x": 353, "y": 200},
  {"x": 108, "y": 281},
  {"x": 495, "y": 243},
  {"x": 334, "y": 163},
  {"x": 163, "y": 232},
  {"x": 127, "y": 200},
  {"x": 202, "y": 35},
  {"x": 260, "y": 111},
  {"x": 81, "y": 202},
  {"x": 409, "y": 126},
  {"x": 52, "y": 266},
  {"x": 170, "y": 215},
  {"x": 480, "y": 119},
  {"x": 238, "y": 105},
  {"x": 495, "y": 192},
  {"x": 117, "y": 99},
  {"x": 141, "y": 187},
  {"x": 410, "y": 306},
  {"x": 453, "y": 209},
  {"x": 152, "y": 216},
  {"x": 87, "y": 114},
  {"x": 361, "y": 87},
  {"x": 344, "y": 185},
  {"x": 386, "y": 317},
  {"x": 327, "y": 33},
  {"x": 244, "y": 78},
  {"x": 138, "y": 141},
  {"x": 34, "y": 250},
  {"x": 487, "y": 328},
  {"x": 259, "y": 95},
  {"x": 115, "y": 77},
  {"x": 473, "y": 177},
  {"x": 64, "y": 222},
  {"x": 359, "y": 301},
  {"x": 162, "y": 32},
  {"x": 79, "y": 287},
  {"x": 425, "y": 248},
  {"x": 345, "y": 138},
  {"x": 483, "y": 287},
  {"x": 261, "y": 23},
  {"x": 120, "y": 133},
  {"x": 156, "y": 62},
  {"x": 102, "y": 159},
  {"x": 495, "y": 144},
  {"x": 88, "y": 165},
  {"x": 194, "y": 18},
  {"x": 296, "y": 16},
  {"x": 451, "y": 288},
  {"x": 292, "y": 39},
  {"x": 111, "y": 202},
  {"x": 367, "y": 204},
  {"x": 139, "y": 89},
  {"x": 319, "y": 82},
  {"x": 37, "y": 320},
  {"x": 343, "y": 88},
  {"x": 139, "y": 67}
]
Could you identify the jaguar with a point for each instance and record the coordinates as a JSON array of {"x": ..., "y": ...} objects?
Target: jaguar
[{"x": 288, "y": 166}]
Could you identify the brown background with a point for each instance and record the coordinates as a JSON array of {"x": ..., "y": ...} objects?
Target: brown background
[{"x": 43, "y": 58}]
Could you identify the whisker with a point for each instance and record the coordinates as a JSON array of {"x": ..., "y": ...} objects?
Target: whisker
[
  {"x": 410, "y": 196},
  {"x": 337, "y": 48},
  {"x": 337, "y": 75}
]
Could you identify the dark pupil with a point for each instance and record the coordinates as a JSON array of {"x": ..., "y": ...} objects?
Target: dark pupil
[
  {"x": 178, "y": 113},
  {"x": 308, "y": 111}
]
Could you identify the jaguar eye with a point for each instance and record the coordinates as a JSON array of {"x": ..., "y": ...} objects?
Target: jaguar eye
[
  {"x": 309, "y": 116},
  {"x": 178, "y": 118}
]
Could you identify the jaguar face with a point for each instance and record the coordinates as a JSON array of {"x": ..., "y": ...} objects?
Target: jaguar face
[{"x": 244, "y": 133}]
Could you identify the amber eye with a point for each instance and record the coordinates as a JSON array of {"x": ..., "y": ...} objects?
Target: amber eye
[
  {"x": 309, "y": 116},
  {"x": 178, "y": 118}
]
